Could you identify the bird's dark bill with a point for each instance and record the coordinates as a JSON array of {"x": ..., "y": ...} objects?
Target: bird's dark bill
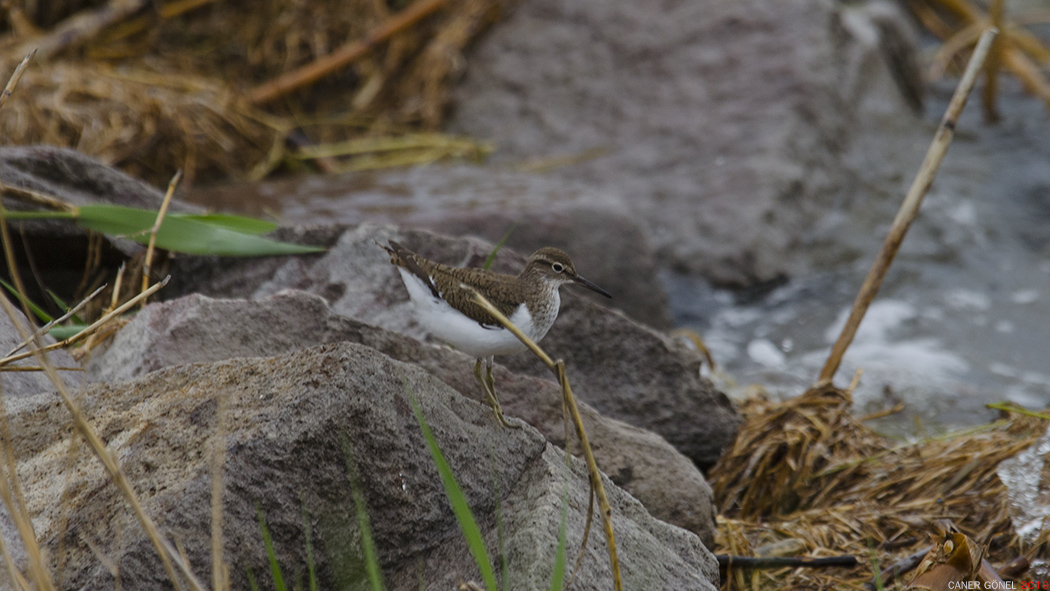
[{"x": 591, "y": 286}]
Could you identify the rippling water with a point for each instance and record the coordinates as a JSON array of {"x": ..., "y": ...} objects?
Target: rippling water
[{"x": 963, "y": 318}]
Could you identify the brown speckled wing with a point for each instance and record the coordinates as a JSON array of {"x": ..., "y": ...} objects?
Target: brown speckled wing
[
  {"x": 445, "y": 282},
  {"x": 502, "y": 290}
]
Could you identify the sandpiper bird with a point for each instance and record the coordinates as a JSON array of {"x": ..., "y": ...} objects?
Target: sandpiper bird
[{"x": 445, "y": 304}]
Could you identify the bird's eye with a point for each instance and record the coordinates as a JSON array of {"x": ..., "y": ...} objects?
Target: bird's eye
[{"x": 558, "y": 267}]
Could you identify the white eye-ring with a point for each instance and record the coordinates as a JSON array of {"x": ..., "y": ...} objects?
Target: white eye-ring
[{"x": 558, "y": 267}]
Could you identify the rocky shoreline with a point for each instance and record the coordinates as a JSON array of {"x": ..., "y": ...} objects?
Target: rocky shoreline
[{"x": 716, "y": 136}]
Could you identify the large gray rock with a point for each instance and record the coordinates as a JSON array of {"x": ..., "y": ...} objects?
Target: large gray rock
[
  {"x": 75, "y": 178},
  {"x": 239, "y": 277},
  {"x": 285, "y": 423},
  {"x": 624, "y": 369},
  {"x": 199, "y": 329},
  {"x": 629, "y": 372},
  {"x": 723, "y": 123}
]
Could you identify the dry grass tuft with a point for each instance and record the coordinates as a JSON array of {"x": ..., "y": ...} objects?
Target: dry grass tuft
[
  {"x": 165, "y": 87},
  {"x": 774, "y": 468},
  {"x": 1019, "y": 51},
  {"x": 807, "y": 470}
]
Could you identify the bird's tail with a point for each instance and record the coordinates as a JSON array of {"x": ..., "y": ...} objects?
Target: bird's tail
[{"x": 395, "y": 251}]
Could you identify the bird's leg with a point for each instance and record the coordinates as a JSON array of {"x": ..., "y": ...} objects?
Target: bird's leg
[
  {"x": 493, "y": 402},
  {"x": 488, "y": 384},
  {"x": 488, "y": 377}
]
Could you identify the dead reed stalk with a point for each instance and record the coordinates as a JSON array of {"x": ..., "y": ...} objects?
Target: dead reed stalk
[
  {"x": 148, "y": 263},
  {"x": 558, "y": 367},
  {"x": 339, "y": 58},
  {"x": 909, "y": 209}
]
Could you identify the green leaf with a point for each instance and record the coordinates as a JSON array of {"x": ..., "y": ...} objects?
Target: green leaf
[
  {"x": 63, "y": 332},
  {"x": 271, "y": 554},
  {"x": 499, "y": 245},
  {"x": 180, "y": 234},
  {"x": 252, "y": 584},
  {"x": 35, "y": 309},
  {"x": 879, "y": 584},
  {"x": 64, "y": 306},
  {"x": 236, "y": 223},
  {"x": 467, "y": 524},
  {"x": 217, "y": 234},
  {"x": 368, "y": 545},
  {"x": 311, "y": 569}
]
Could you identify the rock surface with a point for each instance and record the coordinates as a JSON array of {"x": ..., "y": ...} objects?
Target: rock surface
[
  {"x": 624, "y": 369},
  {"x": 722, "y": 124},
  {"x": 75, "y": 178},
  {"x": 711, "y": 132},
  {"x": 285, "y": 422},
  {"x": 25, "y": 383},
  {"x": 198, "y": 329}
]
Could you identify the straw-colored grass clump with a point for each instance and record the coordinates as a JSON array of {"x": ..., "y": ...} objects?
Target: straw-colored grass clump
[
  {"x": 161, "y": 88},
  {"x": 807, "y": 469}
]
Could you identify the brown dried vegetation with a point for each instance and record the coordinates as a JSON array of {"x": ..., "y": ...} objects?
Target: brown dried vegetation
[
  {"x": 807, "y": 469},
  {"x": 155, "y": 87},
  {"x": 1017, "y": 51}
]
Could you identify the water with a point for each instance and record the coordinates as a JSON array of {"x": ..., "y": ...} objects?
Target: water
[{"x": 963, "y": 318}]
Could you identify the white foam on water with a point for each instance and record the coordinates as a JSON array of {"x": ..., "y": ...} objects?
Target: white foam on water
[
  {"x": 1024, "y": 296},
  {"x": 968, "y": 299},
  {"x": 764, "y": 352},
  {"x": 881, "y": 319},
  {"x": 876, "y": 349}
]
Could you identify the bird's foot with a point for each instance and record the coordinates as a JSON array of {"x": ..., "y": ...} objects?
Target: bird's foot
[{"x": 488, "y": 385}]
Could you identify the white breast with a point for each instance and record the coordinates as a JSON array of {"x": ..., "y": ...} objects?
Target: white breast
[{"x": 449, "y": 325}]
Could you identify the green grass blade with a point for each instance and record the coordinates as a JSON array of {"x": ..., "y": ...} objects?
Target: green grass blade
[
  {"x": 879, "y": 585},
  {"x": 252, "y": 583},
  {"x": 236, "y": 223},
  {"x": 271, "y": 554},
  {"x": 55, "y": 298},
  {"x": 35, "y": 309},
  {"x": 499, "y": 245},
  {"x": 212, "y": 234},
  {"x": 467, "y": 524},
  {"x": 558, "y": 574},
  {"x": 182, "y": 234},
  {"x": 61, "y": 333},
  {"x": 368, "y": 545},
  {"x": 311, "y": 571},
  {"x": 64, "y": 306}
]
